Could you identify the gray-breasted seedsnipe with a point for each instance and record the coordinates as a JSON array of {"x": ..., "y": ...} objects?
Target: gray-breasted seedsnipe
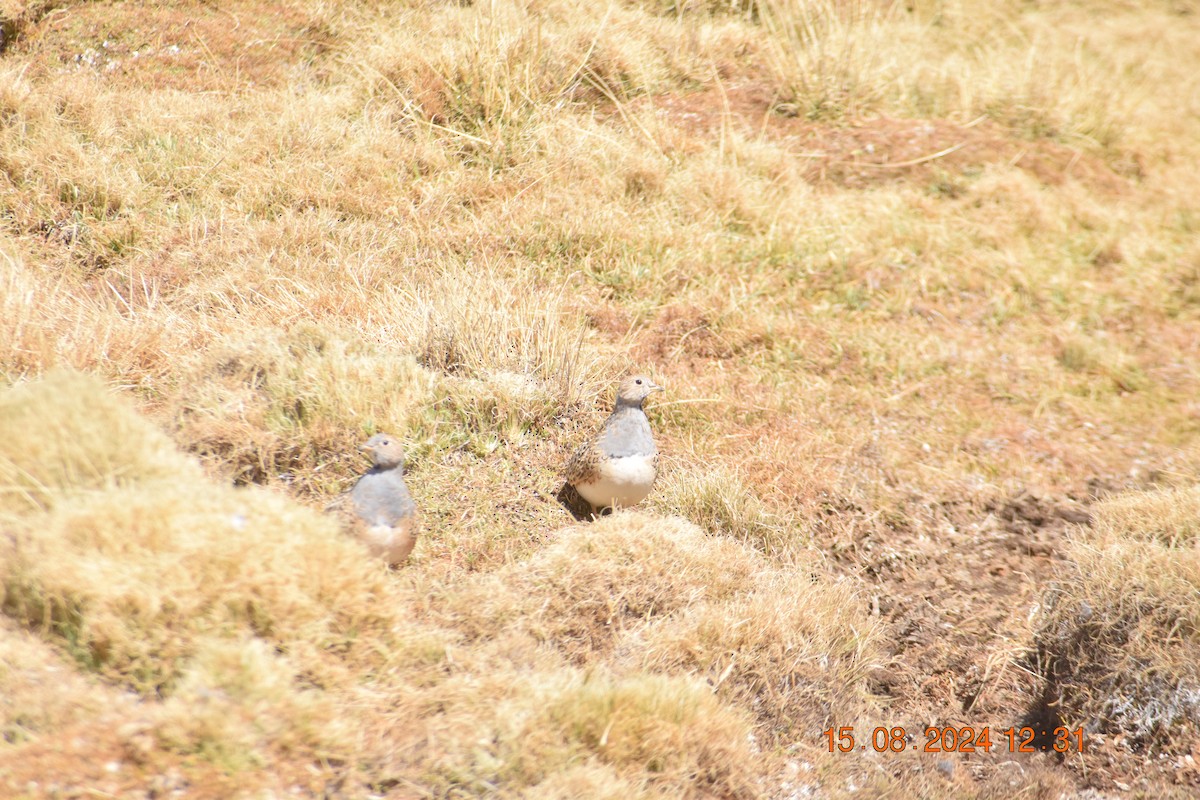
[
  {"x": 617, "y": 466},
  {"x": 379, "y": 510}
]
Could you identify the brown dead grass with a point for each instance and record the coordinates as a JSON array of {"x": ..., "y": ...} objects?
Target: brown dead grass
[
  {"x": 935, "y": 154},
  {"x": 134, "y": 561},
  {"x": 920, "y": 280},
  {"x": 580, "y": 593},
  {"x": 183, "y": 46}
]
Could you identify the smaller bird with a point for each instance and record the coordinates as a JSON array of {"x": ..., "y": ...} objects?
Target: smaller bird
[
  {"x": 384, "y": 514},
  {"x": 616, "y": 468}
]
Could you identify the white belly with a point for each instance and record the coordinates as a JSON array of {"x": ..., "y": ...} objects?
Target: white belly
[{"x": 623, "y": 482}]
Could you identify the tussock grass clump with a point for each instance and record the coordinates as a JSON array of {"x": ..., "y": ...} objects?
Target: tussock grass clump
[
  {"x": 1120, "y": 645},
  {"x": 796, "y": 650},
  {"x": 597, "y": 579},
  {"x": 480, "y": 324},
  {"x": 66, "y": 434},
  {"x": 1170, "y": 518},
  {"x": 719, "y": 501},
  {"x": 501, "y": 407},
  {"x": 835, "y": 61},
  {"x": 509, "y": 356},
  {"x": 831, "y": 59},
  {"x": 129, "y": 577},
  {"x": 659, "y": 595},
  {"x": 238, "y": 704},
  {"x": 659, "y": 725},
  {"x": 552, "y": 728},
  {"x": 485, "y": 74}
]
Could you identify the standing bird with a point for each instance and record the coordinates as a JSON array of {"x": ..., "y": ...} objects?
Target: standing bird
[
  {"x": 385, "y": 516},
  {"x": 617, "y": 466}
]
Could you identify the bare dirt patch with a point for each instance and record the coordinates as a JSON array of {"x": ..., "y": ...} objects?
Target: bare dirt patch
[
  {"x": 961, "y": 608},
  {"x": 867, "y": 152},
  {"x": 186, "y": 46},
  {"x": 959, "y": 604}
]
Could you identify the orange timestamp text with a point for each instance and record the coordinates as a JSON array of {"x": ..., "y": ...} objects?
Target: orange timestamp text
[{"x": 957, "y": 740}]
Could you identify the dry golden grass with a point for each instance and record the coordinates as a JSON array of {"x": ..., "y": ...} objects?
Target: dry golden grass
[
  {"x": 40, "y": 697},
  {"x": 257, "y": 633},
  {"x": 657, "y": 733},
  {"x": 792, "y": 650},
  {"x": 1122, "y": 637},
  {"x": 261, "y": 406},
  {"x": 88, "y": 444},
  {"x": 898, "y": 266},
  {"x": 719, "y": 500},
  {"x": 136, "y": 562},
  {"x": 582, "y": 591}
]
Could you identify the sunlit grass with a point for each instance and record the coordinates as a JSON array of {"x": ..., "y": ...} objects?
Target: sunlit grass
[{"x": 885, "y": 258}]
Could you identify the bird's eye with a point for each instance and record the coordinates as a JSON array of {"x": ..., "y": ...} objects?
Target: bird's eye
[{"x": 638, "y": 381}]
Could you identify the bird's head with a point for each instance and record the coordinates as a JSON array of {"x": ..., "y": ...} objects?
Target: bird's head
[
  {"x": 384, "y": 449},
  {"x": 634, "y": 390}
]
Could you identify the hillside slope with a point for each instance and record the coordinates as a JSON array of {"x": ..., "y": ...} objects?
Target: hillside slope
[{"x": 921, "y": 281}]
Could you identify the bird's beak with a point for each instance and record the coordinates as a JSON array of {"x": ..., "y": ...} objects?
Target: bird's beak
[
  {"x": 657, "y": 388},
  {"x": 365, "y": 448}
]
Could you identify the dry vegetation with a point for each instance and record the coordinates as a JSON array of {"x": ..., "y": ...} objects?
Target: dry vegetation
[
  {"x": 1121, "y": 643},
  {"x": 922, "y": 281}
]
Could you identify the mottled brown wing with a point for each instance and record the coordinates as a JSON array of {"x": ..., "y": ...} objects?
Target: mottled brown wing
[{"x": 584, "y": 466}]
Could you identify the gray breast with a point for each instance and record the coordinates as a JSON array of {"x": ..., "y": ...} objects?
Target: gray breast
[
  {"x": 627, "y": 433},
  {"x": 381, "y": 498}
]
